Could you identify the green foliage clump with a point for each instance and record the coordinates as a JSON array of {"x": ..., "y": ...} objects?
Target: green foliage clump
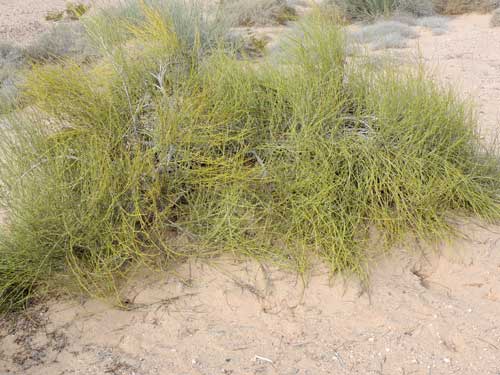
[
  {"x": 64, "y": 40},
  {"x": 172, "y": 147},
  {"x": 54, "y": 15},
  {"x": 194, "y": 22},
  {"x": 75, "y": 11}
]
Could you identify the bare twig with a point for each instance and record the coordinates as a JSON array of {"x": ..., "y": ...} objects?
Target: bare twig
[{"x": 263, "y": 359}]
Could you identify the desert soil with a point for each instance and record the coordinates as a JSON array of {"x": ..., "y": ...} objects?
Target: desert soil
[
  {"x": 468, "y": 57},
  {"x": 424, "y": 313},
  {"x": 21, "y": 21}
]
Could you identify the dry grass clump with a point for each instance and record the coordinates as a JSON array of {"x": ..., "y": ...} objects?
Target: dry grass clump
[
  {"x": 438, "y": 24},
  {"x": 434, "y": 22},
  {"x": 362, "y": 9},
  {"x": 9, "y": 77},
  {"x": 169, "y": 148},
  {"x": 406, "y": 19},
  {"x": 369, "y": 9},
  {"x": 64, "y": 40},
  {"x": 385, "y": 34},
  {"x": 495, "y": 18},
  {"x": 390, "y": 41},
  {"x": 11, "y": 56},
  {"x": 417, "y": 8},
  {"x": 258, "y": 12},
  {"x": 455, "y": 7},
  {"x": 11, "y": 61}
]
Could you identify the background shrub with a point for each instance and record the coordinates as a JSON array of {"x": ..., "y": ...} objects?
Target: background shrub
[
  {"x": 454, "y": 7},
  {"x": 54, "y": 15},
  {"x": 385, "y": 34},
  {"x": 362, "y": 9},
  {"x": 259, "y": 12},
  {"x": 418, "y": 8},
  {"x": 63, "y": 40},
  {"x": 438, "y": 24},
  {"x": 495, "y": 18},
  {"x": 75, "y": 11},
  {"x": 365, "y": 9}
]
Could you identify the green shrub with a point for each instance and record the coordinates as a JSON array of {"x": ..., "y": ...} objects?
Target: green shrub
[
  {"x": 159, "y": 152},
  {"x": 254, "y": 46},
  {"x": 64, "y": 40},
  {"x": 54, "y": 15},
  {"x": 75, "y": 11},
  {"x": 196, "y": 24}
]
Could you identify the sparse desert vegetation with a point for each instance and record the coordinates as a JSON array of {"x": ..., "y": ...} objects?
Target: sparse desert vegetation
[{"x": 172, "y": 145}]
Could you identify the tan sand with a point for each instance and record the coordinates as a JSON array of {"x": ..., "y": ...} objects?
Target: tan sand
[
  {"x": 23, "y": 20},
  {"x": 468, "y": 57}
]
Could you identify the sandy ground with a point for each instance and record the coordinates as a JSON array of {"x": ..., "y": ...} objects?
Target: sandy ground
[
  {"x": 468, "y": 57},
  {"x": 22, "y": 20},
  {"x": 424, "y": 314}
]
